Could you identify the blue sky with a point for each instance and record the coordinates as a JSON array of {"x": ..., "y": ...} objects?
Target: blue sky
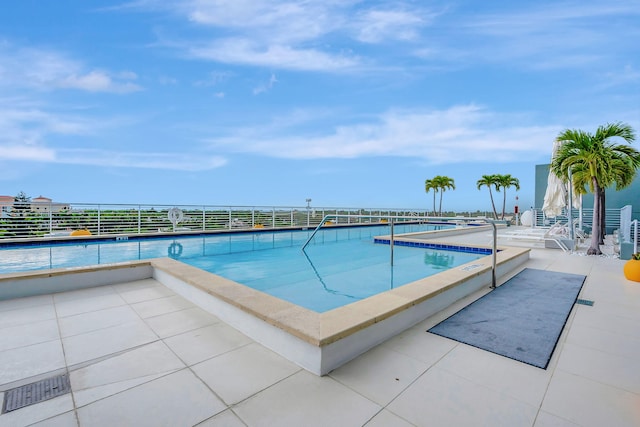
[{"x": 350, "y": 103}]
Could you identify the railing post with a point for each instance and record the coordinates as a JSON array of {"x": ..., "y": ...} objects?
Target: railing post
[
  {"x": 391, "y": 240},
  {"x": 50, "y": 218},
  {"x": 98, "y": 220},
  {"x": 204, "y": 218},
  {"x": 139, "y": 219},
  {"x": 273, "y": 218},
  {"x": 229, "y": 217},
  {"x": 634, "y": 223}
]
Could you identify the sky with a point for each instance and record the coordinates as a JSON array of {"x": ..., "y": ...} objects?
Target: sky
[{"x": 269, "y": 103}]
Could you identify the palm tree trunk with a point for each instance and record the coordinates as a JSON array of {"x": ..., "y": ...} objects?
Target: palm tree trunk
[
  {"x": 434, "y": 202},
  {"x": 596, "y": 232},
  {"x": 603, "y": 217},
  {"x": 504, "y": 202},
  {"x": 493, "y": 205},
  {"x": 440, "y": 209}
]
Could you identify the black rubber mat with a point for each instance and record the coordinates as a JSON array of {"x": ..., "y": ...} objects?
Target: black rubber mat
[{"x": 522, "y": 319}]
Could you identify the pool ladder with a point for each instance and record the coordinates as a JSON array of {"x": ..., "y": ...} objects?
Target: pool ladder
[{"x": 391, "y": 219}]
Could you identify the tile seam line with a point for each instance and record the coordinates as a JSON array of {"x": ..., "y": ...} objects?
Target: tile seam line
[{"x": 66, "y": 363}]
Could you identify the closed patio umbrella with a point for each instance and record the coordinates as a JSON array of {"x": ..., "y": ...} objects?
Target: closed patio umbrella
[{"x": 555, "y": 196}]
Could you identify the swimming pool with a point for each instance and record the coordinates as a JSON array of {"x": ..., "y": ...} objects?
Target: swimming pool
[{"x": 340, "y": 266}]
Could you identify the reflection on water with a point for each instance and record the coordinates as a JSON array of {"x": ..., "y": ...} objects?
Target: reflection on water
[
  {"x": 439, "y": 260},
  {"x": 174, "y": 250},
  {"x": 324, "y": 285}
]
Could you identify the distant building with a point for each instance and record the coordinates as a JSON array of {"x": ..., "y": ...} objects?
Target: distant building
[
  {"x": 6, "y": 204},
  {"x": 43, "y": 204},
  {"x": 39, "y": 204}
]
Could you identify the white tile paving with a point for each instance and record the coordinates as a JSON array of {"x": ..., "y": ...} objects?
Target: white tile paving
[
  {"x": 177, "y": 322},
  {"x": 96, "y": 320},
  {"x": 178, "y": 399},
  {"x": 224, "y": 419},
  {"x": 442, "y": 398},
  {"x": 304, "y": 399},
  {"x": 243, "y": 372},
  {"x": 201, "y": 344},
  {"x": 385, "y": 418},
  {"x": 103, "y": 342},
  {"x": 380, "y": 374},
  {"x": 29, "y": 361},
  {"x": 33, "y": 414},
  {"x": 140, "y": 355},
  {"x": 68, "y": 419},
  {"x": 518, "y": 380},
  {"x": 28, "y": 334},
  {"x": 590, "y": 403},
  {"x": 22, "y": 316},
  {"x": 122, "y": 372},
  {"x": 160, "y": 306}
]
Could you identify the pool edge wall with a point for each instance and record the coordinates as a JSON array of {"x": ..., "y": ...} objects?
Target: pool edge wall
[
  {"x": 321, "y": 342},
  {"x": 26, "y": 284},
  {"x": 318, "y": 342}
]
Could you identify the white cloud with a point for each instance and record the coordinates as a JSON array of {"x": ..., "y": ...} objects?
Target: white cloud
[
  {"x": 553, "y": 36},
  {"x": 275, "y": 21},
  {"x": 308, "y": 35},
  {"x": 626, "y": 75},
  {"x": 248, "y": 52},
  {"x": 148, "y": 160},
  {"x": 29, "y": 133},
  {"x": 26, "y": 152},
  {"x": 465, "y": 133},
  {"x": 375, "y": 26},
  {"x": 214, "y": 78},
  {"x": 265, "y": 87},
  {"x": 97, "y": 81},
  {"x": 49, "y": 70}
]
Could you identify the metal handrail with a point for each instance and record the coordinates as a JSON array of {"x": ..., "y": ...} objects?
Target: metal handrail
[
  {"x": 391, "y": 223},
  {"x": 387, "y": 217}
]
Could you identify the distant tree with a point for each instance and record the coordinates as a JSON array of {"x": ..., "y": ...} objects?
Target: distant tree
[
  {"x": 489, "y": 181},
  {"x": 504, "y": 182},
  {"x": 21, "y": 203},
  {"x": 444, "y": 183},
  {"x": 596, "y": 162}
]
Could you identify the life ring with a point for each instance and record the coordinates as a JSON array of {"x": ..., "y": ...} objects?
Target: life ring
[
  {"x": 84, "y": 232},
  {"x": 175, "y": 250},
  {"x": 175, "y": 215}
]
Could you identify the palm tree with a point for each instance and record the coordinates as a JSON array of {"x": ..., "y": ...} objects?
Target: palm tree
[
  {"x": 430, "y": 184},
  {"x": 594, "y": 161},
  {"x": 444, "y": 183},
  {"x": 506, "y": 181},
  {"x": 490, "y": 180}
]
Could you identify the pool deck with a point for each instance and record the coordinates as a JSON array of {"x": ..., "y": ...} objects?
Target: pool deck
[{"x": 138, "y": 354}]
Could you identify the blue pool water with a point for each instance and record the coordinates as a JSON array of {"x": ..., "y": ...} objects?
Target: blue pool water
[{"x": 340, "y": 265}]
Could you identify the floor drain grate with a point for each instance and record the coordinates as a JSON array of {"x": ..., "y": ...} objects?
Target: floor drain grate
[
  {"x": 33, "y": 393},
  {"x": 585, "y": 302}
]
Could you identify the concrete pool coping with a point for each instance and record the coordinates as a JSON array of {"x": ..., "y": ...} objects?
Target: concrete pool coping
[{"x": 319, "y": 342}]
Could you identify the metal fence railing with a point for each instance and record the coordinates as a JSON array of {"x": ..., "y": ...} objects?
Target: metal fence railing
[
  {"x": 59, "y": 219},
  {"x": 615, "y": 218}
]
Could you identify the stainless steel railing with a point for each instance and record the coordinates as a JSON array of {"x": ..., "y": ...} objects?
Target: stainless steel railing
[{"x": 59, "y": 219}]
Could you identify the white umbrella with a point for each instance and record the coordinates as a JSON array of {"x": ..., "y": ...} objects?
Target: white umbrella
[{"x": 555, "y": 196}]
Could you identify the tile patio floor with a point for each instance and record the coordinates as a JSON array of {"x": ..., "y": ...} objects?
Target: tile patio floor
[{"x": 139, "y": 355}]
